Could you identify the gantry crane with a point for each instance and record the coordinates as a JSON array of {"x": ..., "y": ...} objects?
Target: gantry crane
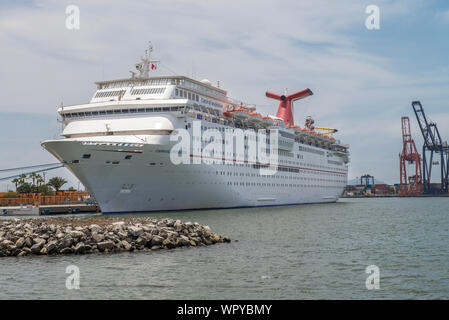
[
  {"x": 432, "y": 145},
  {"x": 409, "y": 185}
]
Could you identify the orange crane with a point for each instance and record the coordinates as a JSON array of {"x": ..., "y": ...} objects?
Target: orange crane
[{"x": 410, "y": 185}]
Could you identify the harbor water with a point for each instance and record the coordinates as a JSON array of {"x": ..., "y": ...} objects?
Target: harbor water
[{"x": 318, "y": 251}]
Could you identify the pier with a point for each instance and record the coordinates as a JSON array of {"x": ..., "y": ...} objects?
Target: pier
[{"x": 56, "y": 209}]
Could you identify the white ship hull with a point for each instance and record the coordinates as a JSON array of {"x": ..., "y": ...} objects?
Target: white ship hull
[{"x": 149, "y": 181}]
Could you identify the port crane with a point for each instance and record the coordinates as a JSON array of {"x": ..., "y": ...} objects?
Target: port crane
[
  {"x": 411, "y": 185},
  {"x": 433, "y": 145}
]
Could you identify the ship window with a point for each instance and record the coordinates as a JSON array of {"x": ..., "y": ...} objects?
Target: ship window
[
  {"x": 109, "y": 111},
  {"x": 141, "y": 110},
  {"x": 166, "y": 109},
  {"x": 149, "y": 109},
  {"x": 176, "y": 92},
  {"x": 128, "y": 157},
  {"x": 157, "y": 109},
  {"x": 133, "y": 110},
  {"x": 117, "y": 111},
  {"x": 102, "y": 112},
  {"x": 124, "y": 110},
  {"x": 95, "y": 113},
  {"x": 115, "y": 162},
  {"x": 86, "y": 156},
  {"x": 88, "y": 114}
]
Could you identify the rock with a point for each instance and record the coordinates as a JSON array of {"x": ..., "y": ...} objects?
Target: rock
[
  {"x": 77, "y": 234},
  {"x": 5, "y": 244},
  {"x": 94, "y": 227},
  {"x": 126, "y": 245},
  {"x": 22, "y": 253},
  {"x": 119, "y": 224},
  {"x": 141, "y": 241},
  {"x": 156, "y": 240},
  {"x": 43, "y": 251},
  {"x": 80, "y": 248},
  {"x": 51, "y": 247},
  {"x": 66, "y": 251},
  {"x": 20, "y": 243},
  {"x": 37, "y": 247},
  {"x": 38, "y": 240},
  {"x": 184, "y": 241},
  {"x": 67, "y": 241},
  {"x": 98, "y": 237},
  {"x": 135, "y": 231},
  {"x": 28, "y": 242},
  {"x": 105, "y": 245},
  {"x": 155, "y": 248}
]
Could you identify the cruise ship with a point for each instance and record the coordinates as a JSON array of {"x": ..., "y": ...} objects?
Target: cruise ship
[{"x": 119, "y": 145}]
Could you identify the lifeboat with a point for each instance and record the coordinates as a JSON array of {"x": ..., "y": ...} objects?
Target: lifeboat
[
  {"x": 297, "y": 129},
  {"x": 255, "y": 117},
  {"x": 241, "y": 113},
  {"x": 267, "y": 120},
  {"x": 228, "y": 111}
]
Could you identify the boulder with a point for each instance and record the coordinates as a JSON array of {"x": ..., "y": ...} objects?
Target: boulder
[
  {"x": 98, "y": 237},
  {"x": 126, "y": 245},
  {"x": 67, "y": 250},
  {"x": 37, "y": 247},
  {"x": 80, "y": 248},
  {"x": 156, "y": 240},
  {"x": 51, "y": 247},
  {"x": 20, "y": 243},
  {"x": 105, "y": 245},
  {"x": 135, "y": 231}
]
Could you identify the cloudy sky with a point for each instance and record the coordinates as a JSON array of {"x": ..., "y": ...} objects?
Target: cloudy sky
[{"x": 363, "y": 80}]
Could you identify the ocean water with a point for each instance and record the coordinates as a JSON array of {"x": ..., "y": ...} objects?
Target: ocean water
[{"x": 318, "y": 251}]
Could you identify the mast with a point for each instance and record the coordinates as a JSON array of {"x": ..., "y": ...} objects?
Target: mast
[{"x": 145, "y": 64}]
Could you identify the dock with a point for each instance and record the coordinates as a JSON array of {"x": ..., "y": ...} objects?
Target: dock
[{"x": 57, "y": 209}]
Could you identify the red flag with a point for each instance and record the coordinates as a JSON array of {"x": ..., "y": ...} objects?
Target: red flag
[{"x": 153, "y": 66}]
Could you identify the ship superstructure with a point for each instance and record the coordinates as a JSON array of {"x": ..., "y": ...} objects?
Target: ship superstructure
[{"x": 119, "y": 146}]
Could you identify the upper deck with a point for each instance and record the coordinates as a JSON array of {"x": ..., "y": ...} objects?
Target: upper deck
[{"x": 166, "y": 87}]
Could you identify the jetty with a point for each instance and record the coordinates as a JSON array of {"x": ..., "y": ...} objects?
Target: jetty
[{"x": 62, "y": 235}]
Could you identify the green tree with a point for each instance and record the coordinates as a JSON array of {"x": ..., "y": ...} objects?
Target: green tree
[
  {"x": 25, "y": 187},
  {"x": 57, "y": 182},
  {"x": 19, "y": 182},
  {"x": 45, "y": 189}
]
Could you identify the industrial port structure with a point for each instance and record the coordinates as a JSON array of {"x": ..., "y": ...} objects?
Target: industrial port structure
[{"x": 433, "y": 147}]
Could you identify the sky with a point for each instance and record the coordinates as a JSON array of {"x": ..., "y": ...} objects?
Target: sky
[{"x": 363, "y": 80}]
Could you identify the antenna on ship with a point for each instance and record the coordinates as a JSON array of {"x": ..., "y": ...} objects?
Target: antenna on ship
[{"x": 145, "y": 64}]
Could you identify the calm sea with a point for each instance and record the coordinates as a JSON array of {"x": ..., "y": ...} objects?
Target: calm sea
[{"x": 294, "y": 252}]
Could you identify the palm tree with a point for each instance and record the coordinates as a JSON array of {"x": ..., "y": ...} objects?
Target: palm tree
[
  {"x": 57, "y": 182},
  {"x": 39, "y": 180},
  {"x": 33, "y": 176}
]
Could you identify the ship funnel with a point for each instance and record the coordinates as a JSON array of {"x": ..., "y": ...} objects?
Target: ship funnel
[{"x": 285, "y": 106}]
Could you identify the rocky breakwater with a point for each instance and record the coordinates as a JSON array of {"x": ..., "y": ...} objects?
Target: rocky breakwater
[{"x": 20, "y": 237}]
